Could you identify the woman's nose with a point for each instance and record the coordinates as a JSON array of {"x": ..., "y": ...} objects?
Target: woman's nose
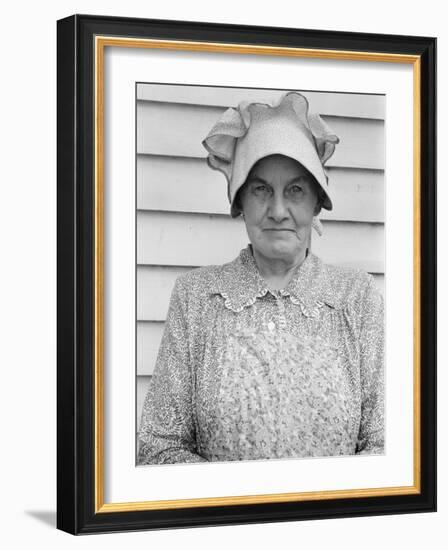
[{"x": 278, "y": 210}]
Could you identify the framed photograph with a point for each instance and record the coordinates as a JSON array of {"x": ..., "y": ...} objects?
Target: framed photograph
[{"x": 246, "y": 274}]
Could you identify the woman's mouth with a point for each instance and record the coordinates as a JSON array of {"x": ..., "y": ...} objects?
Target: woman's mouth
[{"x": 278, "y": 229}]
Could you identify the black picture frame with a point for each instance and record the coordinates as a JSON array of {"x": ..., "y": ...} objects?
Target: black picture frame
[{"x": 79, "y": 508}]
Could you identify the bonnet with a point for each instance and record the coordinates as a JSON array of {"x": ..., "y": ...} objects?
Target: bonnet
[{"x": 253, "y": 130}]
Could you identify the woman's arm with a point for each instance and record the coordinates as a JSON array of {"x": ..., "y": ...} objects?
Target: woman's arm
[
  {"x": 371, "y": 433},
  {"x": 167, "y": 429}
]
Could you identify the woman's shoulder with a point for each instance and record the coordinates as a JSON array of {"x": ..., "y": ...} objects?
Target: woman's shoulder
[
  {"x": 349, "y": 286},
  {"x": 347, "y": 275},
  {"x": 205, "y": 279}
]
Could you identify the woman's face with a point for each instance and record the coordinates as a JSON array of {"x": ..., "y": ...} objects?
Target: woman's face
[{"x": 278, "y": 201}]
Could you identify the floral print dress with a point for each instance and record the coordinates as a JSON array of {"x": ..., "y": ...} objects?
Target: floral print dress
[{"x": 246, "y": 373}]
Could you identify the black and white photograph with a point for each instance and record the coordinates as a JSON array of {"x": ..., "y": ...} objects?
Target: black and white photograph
[
  {"x": 245, "y": 258},
  {"x": 260, "y": 273},
  {"x": 222, "y": 241}
]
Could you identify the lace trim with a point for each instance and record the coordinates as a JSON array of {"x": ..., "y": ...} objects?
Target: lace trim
[
  {"x": 308, "y": 310},
  {"x": 229, "y": 302},
  {"x": 242, "y": 285}
]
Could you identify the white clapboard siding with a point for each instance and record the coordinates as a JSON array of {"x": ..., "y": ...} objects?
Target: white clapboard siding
[
  {"x": 197, "y": 239},
  {"x": 154, "y": 286},
  {"x": 325, "y": 103},
  {"x": 379, "y": 280},
  {"x": 149, "y": 336},
  {"x": 188, "y": 185},
  {"x": 178, "y": 129},
  {"x": 142, "y": 388}
]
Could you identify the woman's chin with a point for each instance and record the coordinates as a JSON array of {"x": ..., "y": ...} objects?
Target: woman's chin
[{"x": 281, "y": 250}]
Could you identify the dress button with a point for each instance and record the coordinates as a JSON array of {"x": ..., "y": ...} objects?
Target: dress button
[{"x": 271, "y": 325}]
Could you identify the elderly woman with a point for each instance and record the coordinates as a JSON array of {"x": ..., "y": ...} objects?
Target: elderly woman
[{"x": 275, "y": 354}]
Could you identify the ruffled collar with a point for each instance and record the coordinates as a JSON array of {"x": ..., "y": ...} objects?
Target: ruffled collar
[{"x": 241, "y": 284}]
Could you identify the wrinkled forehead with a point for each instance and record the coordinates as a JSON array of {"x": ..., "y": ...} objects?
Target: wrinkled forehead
[
  {"x": 278, "y": 166},
  {"x": 279, "y": 171}
]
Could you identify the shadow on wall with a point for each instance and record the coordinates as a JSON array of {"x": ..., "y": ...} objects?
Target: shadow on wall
[{"x": 48, "y": 517}]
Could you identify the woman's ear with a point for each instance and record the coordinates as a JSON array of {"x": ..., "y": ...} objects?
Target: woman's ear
[
  {"x": 320, "y": 198},
  {"x": 318, "y": 206},
  {"x": 239, "y": 199}
]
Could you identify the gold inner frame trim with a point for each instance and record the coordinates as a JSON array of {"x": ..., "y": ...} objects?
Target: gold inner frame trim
[{"x": 101, "y": 42}]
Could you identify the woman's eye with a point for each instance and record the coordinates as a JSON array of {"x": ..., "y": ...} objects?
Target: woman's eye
[
  {"x": 296, "y": 189},
  {"x": 260, "y": 189}
]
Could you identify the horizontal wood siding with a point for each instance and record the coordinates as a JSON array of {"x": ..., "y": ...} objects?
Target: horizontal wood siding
[
  {"x": 325, "y": 103},
  {"x": 142, "y": 388}
]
